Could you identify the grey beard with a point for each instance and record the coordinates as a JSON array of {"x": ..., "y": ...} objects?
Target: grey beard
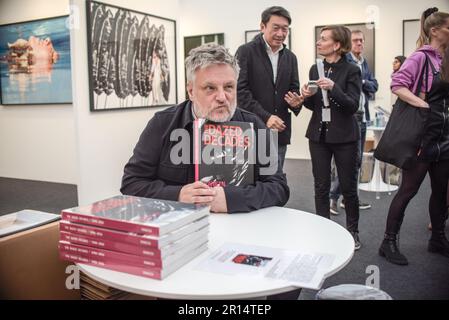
[{"x": 207, "y": 116}]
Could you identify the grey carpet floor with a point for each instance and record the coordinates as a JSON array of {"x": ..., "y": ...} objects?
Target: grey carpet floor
[{"x": 426, "y": 277}]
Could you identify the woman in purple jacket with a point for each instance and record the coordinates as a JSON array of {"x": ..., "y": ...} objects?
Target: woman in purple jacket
[{"x": 432, "y": 43}]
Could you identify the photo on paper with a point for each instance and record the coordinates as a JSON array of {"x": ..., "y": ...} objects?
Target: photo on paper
[
  {"x": 35, "y": 63},
  {"x": 251, "y": 260},
  {"x": 132, "y": 58}
]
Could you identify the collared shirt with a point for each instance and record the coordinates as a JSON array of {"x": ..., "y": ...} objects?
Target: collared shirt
[
  {"x": 274, "y": 58},
  {"x": 359, "y": 63}
]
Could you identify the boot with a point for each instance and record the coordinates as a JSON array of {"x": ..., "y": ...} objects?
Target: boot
[
  {"x": 390, "y": 250},
  {"x": 438, "y": 243}
]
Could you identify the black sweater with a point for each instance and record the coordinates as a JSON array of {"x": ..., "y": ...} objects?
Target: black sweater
[{"x": 344, "y": 102}]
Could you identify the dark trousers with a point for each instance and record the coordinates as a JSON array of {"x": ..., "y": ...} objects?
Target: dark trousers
[
  {"x": 411, "y": 181},
  {"x": 335, "y": 184},
  {"x": 282, "y": 150},
  {"x": 346, "y": 161}
]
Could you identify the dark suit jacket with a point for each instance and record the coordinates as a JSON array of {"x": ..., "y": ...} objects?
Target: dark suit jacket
[
  {"x": 344, "y": 102},
  {"x": 257, "y": 92},
  {"x": 151, "y": 173},
  {"x": 369, "y": 86}
]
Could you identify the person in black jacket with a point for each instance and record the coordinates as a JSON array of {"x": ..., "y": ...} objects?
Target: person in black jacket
[
  {"x": 435, "y": 151},
  {"x": 333, "y": 130},
  {"x": 268, "y": 84},
  {"x": 369, "y": 88},
  {"x": 433, "y": 40},
  {"x": 157, "y": 170}
]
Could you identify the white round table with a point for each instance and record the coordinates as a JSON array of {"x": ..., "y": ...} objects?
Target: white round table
[
  {"x": 377, "y": 184},
  {"x": 271, "y": 227}
]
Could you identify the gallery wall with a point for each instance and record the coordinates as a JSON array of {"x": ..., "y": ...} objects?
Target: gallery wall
[
  {"x": 71, "y": 144},
  {"x": 234, "y": 17},
  {"x": 37, "y": 142},
  {"x": 105, "y": 140}
]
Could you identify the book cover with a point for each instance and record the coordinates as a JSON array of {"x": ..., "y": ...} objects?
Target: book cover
[
  {"x": 144, "y": 241},
  {"x": 152, "y": 253},
  {"x": 148, "y": 272},
  {"x": 135, "y": 214},
  {"x": 224, "y": 153}
]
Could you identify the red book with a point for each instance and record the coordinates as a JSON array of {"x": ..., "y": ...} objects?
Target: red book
[
  {"x": 144, "y": 251},
  {"x": 224, "y": 153},
  {"x": 125, "y": 258},
  {"x": 144, "y": 241},
  {"x": 134, "y": 214},
  {"x": 148, "y": 272}
]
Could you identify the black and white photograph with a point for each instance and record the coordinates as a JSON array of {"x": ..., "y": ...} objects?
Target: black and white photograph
[{"x": 132, "y": 58}]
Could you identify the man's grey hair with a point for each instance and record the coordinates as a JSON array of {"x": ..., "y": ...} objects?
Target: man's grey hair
[{"x": 206, "y": 55}]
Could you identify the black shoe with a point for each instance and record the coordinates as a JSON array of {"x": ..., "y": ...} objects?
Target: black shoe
[
  {"x": 390, "y": 250},
  {"x": 438, "y": 243},
  {"x": 334, "y": 207},
  {"x": 355, "y": 236}
]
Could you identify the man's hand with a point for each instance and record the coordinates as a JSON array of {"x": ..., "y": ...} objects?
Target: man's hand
[
  {"x": 219, "y": 204},
  {"x": 293, "y": 99},
  {"x": 197, "y": 192},
  {"x": 276, "y": 123}
]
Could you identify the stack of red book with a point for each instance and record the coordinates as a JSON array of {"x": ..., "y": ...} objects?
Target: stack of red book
[{"x": 141, "y": 236}]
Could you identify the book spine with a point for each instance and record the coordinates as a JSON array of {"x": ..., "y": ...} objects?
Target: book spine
[
  {"x": 154, "y": 273},
  {"x": 197, "y": 142},
  {"x": 111, "y": 257},
  {"x": 108, "y": 223},
  {"x": 110, "y": 245},
  {"x": 105, "y": 234}
]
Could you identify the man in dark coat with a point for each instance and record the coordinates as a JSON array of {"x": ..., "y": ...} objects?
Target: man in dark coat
[
  {"x": 268, "y": 85},
  {"x": 160, "y": 169}
]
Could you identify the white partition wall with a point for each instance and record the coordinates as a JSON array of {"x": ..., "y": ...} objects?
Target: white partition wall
[
  {"x": 105, "y": 140},
  {"x": 234, "y": 17},
  {"x": 37, "y": 142},
  {"x": 71, "y": 144}
]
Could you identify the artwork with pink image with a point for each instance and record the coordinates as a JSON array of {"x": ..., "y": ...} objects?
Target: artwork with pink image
[{"x": 35, "y": 65}]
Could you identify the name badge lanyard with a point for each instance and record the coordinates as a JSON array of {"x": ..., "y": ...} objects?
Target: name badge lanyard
[{"x": 326, "y": 110}]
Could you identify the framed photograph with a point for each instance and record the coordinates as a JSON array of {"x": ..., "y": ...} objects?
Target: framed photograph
[
  {"x": 368, "y": 30},
  {"x": 132, "y": 58},
  {"x": 410, "y": 34},
  {"x": 35, "y": 65},
  {"x": 251, "y": 34},
  {"x": 192, "y": 42}
]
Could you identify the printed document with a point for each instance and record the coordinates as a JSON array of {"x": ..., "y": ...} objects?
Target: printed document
[{"x": 294, "y": 267}]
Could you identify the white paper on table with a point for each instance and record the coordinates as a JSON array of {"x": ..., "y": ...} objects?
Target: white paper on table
[
  {"x": 320, "y": 67},
  {"x": 294, "y": 267},
  {"x": 24, "y": 220}
]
